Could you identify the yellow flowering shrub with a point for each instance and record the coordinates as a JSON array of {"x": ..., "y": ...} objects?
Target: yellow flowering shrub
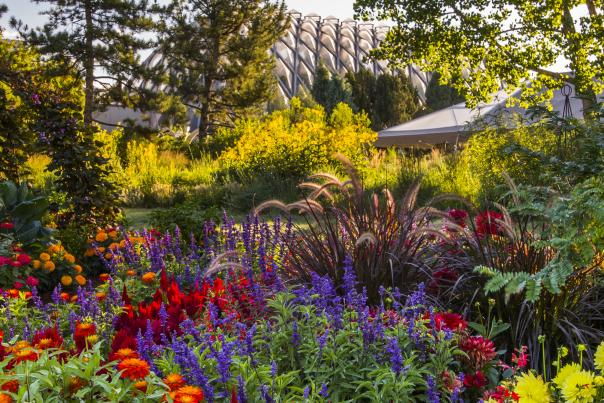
[{"x": 298, "y": 141}]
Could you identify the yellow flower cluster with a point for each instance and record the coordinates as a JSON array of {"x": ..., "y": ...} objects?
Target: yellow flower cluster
[
  {"x": 572, "y": 384},
  {"x": 56, "y": 257}
]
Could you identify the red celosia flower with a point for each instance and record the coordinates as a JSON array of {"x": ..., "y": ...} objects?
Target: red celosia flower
[
  {"x": 174, "y": 381},
  {"x": 133, "y": 368},
  {"x": 122, "y": 354},
  {"x": 476, "y": 380},
  {"x": 451, "y": 321},
  {"x": 187, "y": 394},
  {"x": 479, "y": 350},
  {"x": 47, "y": 338},
  {"x": 486, "y": 223}
]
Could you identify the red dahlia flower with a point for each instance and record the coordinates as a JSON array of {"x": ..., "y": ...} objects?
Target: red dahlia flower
[
  {"x": 480, "y": 351},
  {"x": 23, "y": 259}
]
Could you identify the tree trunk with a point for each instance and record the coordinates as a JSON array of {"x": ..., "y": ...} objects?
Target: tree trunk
[{"x": 88, "y": 65}]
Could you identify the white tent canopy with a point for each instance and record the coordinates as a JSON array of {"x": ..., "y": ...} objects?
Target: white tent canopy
[{"x": 454, "y": 123}]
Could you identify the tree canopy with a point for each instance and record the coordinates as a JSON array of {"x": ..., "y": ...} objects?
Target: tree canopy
[
  {"x": 216, "y": 55},
  {"x": 101, "y": 39},
  {"x": 480, "y": 45}
]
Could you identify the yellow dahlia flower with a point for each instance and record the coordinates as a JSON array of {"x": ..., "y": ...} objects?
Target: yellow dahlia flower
[
  {"x": 579, "y": 388},
  {"x": 599, "y": 357},
  {"x": 532, "y": 389},
  {"x": 565, "y": 372}
]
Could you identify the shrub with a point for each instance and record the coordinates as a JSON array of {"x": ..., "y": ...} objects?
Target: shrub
[
  {"x": 298, "y": 141},
  {"x": 189, "y": 216}
]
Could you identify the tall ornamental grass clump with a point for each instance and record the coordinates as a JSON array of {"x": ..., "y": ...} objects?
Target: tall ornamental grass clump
[{"x": 388, "y": 239}]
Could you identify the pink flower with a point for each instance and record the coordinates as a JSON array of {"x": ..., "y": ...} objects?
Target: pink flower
[
  {"x": 476, "y": 380},
  {"x": 18, "y": 285},
  {"x": 32, "y": 281},
  {"x": 15, "y": 263}
]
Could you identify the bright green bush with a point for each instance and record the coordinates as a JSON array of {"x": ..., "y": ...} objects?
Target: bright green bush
[{"x": 299, "y": 141}]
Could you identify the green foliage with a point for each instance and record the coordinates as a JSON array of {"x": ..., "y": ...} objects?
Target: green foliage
[
  {"x": 22, "y": 208},
  {"x": 440, "y": 96},
  {"x": 295, "y": 142},
  {"x": 328, "y": 90},
  {"x": 507, "y": 41},
  {"x": 87, "y": 377},
  {"x": 216, "y": 56},
  {"x": 189, "y": 216},
  {"x": 25, "y": 82},
  {"x": 387, "y": 99}
]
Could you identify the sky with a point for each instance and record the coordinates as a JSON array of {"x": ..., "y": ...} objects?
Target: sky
[{"x": 28, "y": 12}]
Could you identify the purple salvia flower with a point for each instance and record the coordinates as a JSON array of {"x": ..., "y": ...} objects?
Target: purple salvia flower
[
  {"x": 295, "y": 334},
  {"x": 432, "y": 390},
  {"x": 241, "y": 395},
  {"x": 322, "y": 340},
  {"x": 396, "y": 357},
  {"x": 163, "y": 316},
  {"x": 56, "y": 295},
  {"x": 264, "y": 392},
  {"x": 306, "y": 392},
  {"x": 323, "y": 392}
]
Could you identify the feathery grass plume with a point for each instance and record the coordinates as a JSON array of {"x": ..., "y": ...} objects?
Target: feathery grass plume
[
  {"x": 352, "y": 173},
  {"x": 306, "y": 206},
  {"x": 271, "y": 204},
  {"x": 218, "y": 263},
  {"x": 366, "y": 237},
  {"x": 514, "y": 189}
]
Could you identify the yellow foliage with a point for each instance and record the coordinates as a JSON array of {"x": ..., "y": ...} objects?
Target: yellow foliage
[{"x": 299, "y": 140}]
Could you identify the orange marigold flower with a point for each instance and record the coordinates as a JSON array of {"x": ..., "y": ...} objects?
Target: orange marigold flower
[
  {"x": 50, "y": 266},
  {"x": 133, "y": 368},
  {"x": 141, "y": 385},
  {"x": 45, "y": 257},
  {"x": 69, "y": 258},
  {"x": 78, "y": 269},
  {"x": 4, "y": 398},
  {"x": 104, "y": 277},
  {"x": 174, "y": 381},
  {"x": 74, "y": 298},
  {"x": 123, "y": 354},
  {"x": 131, "y": 273},
  {"x": 37, "y": 264},
  {"x": 11, "y": 386},
  {"x": 148, "y": 278},
  {"x": 81, "y": 280},
  {"x": 187, "y": 394},
  {"x": 101, "y": 236},
  {"x": 89, "y": 252},
  {"x": 66, "y": 280}
]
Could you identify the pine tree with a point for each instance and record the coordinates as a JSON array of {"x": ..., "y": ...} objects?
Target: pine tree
[
  {"x": 440, "y": 96},
  {"x": 387, "y": 99},
  {"x": 329, "y": 90},
  {"x": 216, "y": 56},
  {"x": 100, "y": 39}
]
